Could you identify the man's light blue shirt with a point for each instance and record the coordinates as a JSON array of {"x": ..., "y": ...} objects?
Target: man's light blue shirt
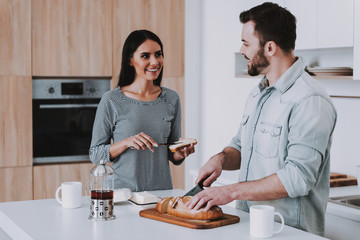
[{"x": 287, "y": 129}]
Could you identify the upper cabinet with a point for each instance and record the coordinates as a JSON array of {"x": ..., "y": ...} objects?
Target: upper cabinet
[
  {"x": 335, "y": 23},
  {"x": 323, "y": 23},
  {"x": 15, "y": 36},
  {"x": 71, "y": 38},
  {"x": 164, "y": 18}
]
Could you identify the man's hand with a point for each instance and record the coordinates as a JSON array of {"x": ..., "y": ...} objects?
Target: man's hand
[
  {"x": 211, "y": 170},
  {"x": 211, "y": 196}
]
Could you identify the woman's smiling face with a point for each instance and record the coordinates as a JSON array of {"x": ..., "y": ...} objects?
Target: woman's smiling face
[{"x": 147, "y": 60}]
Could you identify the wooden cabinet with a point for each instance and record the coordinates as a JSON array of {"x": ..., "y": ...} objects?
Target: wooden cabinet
[
  {"x": 71, "y": 38},
  {"x": 15, "y": 121},
  {"x": 15, "y": 37},
  {"x": 48, "y": 178},
  {"x": 16, "y": 184}
]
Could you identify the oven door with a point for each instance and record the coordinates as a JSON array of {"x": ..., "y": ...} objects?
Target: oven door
[{"x": 62, "y": 129}]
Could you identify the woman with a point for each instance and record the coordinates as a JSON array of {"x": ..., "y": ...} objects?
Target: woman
[{"x": 138, "y": 115}]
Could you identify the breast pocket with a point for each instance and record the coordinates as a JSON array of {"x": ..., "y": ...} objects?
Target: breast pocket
[
  {"x": 165, "y": 125},
  {"x": 244, "y": 128},
  {"x": 268, "y": 138}
]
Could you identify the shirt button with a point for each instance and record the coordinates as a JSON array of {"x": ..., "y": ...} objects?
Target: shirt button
[
  {"x": 254, "y": 126},
  {"x": 250, "y": 147}
]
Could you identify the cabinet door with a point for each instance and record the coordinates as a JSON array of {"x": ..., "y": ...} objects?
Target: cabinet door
[
  {"x": 335, "y": 23},
  {"x": 16, "y": 184},
  {"x": 47, "y": 178},
  {"x": 15, "y": 35},
  {"x": 305, "y": 12},
  {"x": 164, "y": 18},
  {"x": 71, "y": 38},
  {"x": 15, "y": 121}
]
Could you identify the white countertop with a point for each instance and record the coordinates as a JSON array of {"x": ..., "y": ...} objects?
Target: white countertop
[
  {"x": 46, "y": 219},
  {"x": 340, "y": 210}
]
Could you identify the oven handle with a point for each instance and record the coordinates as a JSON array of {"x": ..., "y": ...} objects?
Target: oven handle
[{"x": 86, "y": 105}]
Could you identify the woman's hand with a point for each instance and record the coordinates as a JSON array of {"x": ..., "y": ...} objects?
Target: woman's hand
[
  {"x": 183, "y": 152},
  {"x": 141, "y": 141}
]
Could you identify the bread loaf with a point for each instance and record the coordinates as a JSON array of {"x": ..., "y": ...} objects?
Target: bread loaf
[
  {"x": 182, "y": 143},
  {"x": 162, "y": 205},
  {"x": 176, "y": 206}
]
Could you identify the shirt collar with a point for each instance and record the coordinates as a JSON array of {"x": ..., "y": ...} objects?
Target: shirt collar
[{"x": 285, "y": 81}]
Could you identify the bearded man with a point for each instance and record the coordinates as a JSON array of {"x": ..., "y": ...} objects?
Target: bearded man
[{"x": 283, "y": 143}]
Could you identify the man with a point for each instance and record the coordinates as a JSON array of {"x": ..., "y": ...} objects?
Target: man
[{"x": 283, "y": 143}]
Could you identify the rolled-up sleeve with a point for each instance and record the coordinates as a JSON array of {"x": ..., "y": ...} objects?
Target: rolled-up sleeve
[{"x": 311, "y": 125}]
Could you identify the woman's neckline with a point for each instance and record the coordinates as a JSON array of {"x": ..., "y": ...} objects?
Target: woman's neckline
[{"x": 162, "y": 93}]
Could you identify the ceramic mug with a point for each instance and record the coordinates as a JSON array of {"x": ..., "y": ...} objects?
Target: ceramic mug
[
  {"x": 262, "y": 221},
  {"x": 70, "y": 194}
]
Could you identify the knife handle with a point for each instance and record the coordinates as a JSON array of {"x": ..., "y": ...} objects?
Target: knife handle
[{"x": 201, "y": 183}]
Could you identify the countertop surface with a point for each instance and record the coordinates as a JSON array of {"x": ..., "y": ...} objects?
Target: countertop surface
[
  {"x": 340, "y": 210},
  {"x": 46, "y": 219}
]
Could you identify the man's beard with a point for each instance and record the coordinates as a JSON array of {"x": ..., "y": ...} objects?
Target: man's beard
[{"x": 258, "y": 63}]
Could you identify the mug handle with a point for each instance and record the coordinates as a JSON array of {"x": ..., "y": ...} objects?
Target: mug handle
[
  {"x": 282, "y": 222},
  {"x": 57, "y": 195}
]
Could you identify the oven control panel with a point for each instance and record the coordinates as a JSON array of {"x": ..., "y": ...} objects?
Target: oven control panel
[{"x": 69, "y": 88}]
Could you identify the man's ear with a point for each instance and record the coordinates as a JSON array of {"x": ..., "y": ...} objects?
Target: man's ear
[{"x": 270, "y": 48}]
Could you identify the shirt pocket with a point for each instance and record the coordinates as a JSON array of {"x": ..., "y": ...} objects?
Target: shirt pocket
[
  {"x": 243, "y": 128},
  {"x": 268, "y": 138},
  {"x": 166, "y": 123}
]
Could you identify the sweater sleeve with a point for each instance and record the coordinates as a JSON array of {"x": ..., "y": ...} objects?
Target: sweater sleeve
[{"x": 102, "y": 132}]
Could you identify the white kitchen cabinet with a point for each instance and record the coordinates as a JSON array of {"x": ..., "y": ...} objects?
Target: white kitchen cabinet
[
  {"x": 306, "y": 19},
  {"x": 335, "y": 23},
  {"x": 323, "y": 23}
]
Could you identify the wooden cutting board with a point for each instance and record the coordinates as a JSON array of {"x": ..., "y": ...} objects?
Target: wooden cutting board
[
  {"x": 189, "y": 223},
  {"x": 339, "y": 180}
]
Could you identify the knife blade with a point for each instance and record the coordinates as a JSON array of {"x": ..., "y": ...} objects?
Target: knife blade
[
  {"x": 168, "y": 144},
  {"x": 195, "y": 190},
  {"x": 162, "y": 144}
]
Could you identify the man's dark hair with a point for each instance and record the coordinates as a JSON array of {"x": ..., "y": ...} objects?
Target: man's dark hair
[
  {"x": 272, "y": 23},
  {"x": 132, "y": 42}
]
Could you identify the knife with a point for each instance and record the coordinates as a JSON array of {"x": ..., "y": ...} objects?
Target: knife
[
  {"x": 162, "y": 144},
  {"x": 168, "y": 144},
  {"x": 198, "y": 188}
]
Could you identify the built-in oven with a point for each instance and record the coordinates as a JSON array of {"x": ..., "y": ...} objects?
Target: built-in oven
[{"x": 63, "y": 116}]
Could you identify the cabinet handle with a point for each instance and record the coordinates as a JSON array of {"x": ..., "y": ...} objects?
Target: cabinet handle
[{"x": 48, "y": 106}]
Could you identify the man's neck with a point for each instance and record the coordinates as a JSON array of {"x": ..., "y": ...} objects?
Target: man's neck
[{"x": 278, "y": 66}]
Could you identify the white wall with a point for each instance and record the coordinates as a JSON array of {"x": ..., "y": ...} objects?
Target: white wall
[{"x": 216, "y": 99}]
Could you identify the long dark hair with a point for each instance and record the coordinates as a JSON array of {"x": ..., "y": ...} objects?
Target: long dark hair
[
  {"x": 132, "y": 42},
  {"x": 272, "y": 23}
]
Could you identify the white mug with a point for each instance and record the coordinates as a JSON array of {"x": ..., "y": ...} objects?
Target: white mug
[
  {"x": 358, "y": 175},
  {"x": 262, "y": 221},
  {"x": 70, "y": 194}
]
